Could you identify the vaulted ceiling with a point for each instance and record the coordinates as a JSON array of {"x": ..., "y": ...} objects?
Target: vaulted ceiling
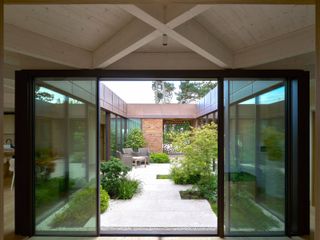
[{"x": 202, "y": 36}]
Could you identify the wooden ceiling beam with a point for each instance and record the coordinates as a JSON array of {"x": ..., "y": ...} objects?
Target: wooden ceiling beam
[
  {"x": 288, "y": 45},
  {"x": 139, "y": 33},
  {"x": 127, "y": 40},
  {"x": 208, "y": 45},
  {"x": 202, "y": 42},
  {"x": 163, "y": 61},
  {"x": 35, "y": 45}
]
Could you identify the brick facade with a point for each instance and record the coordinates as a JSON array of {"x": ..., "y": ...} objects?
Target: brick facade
[{"x": 153, "y": 133}]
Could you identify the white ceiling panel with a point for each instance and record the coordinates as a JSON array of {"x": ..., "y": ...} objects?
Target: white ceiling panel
[{"x": 84, "y": 26}]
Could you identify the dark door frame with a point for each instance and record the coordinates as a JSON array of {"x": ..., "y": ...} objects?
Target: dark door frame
[{"x": 297, "y": 192}]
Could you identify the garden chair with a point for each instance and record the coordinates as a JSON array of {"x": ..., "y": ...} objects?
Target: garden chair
[
  {"x": 125, "y": 158},
  {"x": 144, "y": 152},
  {"x": 127, "y": 151}
]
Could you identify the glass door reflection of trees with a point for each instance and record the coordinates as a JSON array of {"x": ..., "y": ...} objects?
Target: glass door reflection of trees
[
  {"x": 254, "y": 156},
  {"x": 65, "y": 156}
]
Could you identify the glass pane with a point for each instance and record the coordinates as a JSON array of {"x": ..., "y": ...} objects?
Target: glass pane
[
  {"x": 65, "y": 156},
  {"x": 254, "y": 156},
  {"x": 113, "y": 134},
  {"x": 133, "y": 123},
  {"x": 103, "y": 137},
  {"x": 119, "y": 136}
]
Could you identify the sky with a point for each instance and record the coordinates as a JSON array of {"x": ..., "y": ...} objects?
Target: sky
[
  {"x": 142, "y": 90},
  {"x": 276, "y": 95}
]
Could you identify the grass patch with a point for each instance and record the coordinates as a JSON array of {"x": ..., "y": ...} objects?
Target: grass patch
[
  {"x": 78, "y": 211},
  {"x": 128, "y": 188},
  {"x": 241, "y": 214},
  {"x": 49, "y": 192},
  {"x": 243, "y": 207},
  {"x": 160, "y": 176}
]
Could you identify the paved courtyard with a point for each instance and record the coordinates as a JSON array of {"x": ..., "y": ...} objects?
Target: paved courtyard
[{"x": 158, "y": 207}]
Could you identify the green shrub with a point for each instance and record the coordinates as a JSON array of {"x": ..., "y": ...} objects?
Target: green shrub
[
  {"x": 77, "y": 157},
  {"x": 242, "y": 177},
  {"x": 128, "y": 188},
  {"x": 78, "y": 211},
  {"x": 180, "y": 175},
  {"x": 200, "y": 149},
  {"x": 273, "y": 140},
  {"x": 114, "y": 169},
  {"x": 207, "y": 187},
  {"x": 45, "y": 165},
  {"x": 115, "y": 182},
  {"x": 159, "y": 158},
  {"x": 104, "y": 200},
  {"x": 135, "y": 139}
]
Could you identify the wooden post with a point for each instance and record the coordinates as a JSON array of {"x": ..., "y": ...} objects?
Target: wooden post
[
  {"x": 317, "y": 121},
  {"x": 1, "y": 123}
]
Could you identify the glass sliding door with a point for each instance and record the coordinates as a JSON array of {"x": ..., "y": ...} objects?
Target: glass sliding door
[
  {"x": 255, "y": 153},
  {"x": 65, "y": 156}
]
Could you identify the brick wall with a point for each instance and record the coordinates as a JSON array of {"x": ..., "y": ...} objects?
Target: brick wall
[{"x": 153, "y": 133}]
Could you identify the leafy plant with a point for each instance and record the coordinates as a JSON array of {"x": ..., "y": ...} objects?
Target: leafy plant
[
  {"x": 77, "y": 157},
  {"x": 78, "y": 211},
  {"x": 104, "y": 200},
  {"x": 163, "y": 91},
  {"x": 273, "y": 139},
  {"x": 242, "y": 177},
  {"x": 207, "y": 187},
  {"x": 44, "y": 162},
  {"x": 135, "y": 139},
  {"x": 200, "y": 149},
  {"x": 113, "y": 172},
  {"x": 128, "y": 188},
  {"x": 182, "y": 176},
  {"x": 114, "y": 169},
  {"x": 115, "y": 182},
  {"x": 42, "y": 95},
  {"x": 159, "y": 158}
]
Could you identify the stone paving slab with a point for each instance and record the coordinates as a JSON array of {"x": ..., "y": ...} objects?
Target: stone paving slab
[{"x": 158, "y": 206}]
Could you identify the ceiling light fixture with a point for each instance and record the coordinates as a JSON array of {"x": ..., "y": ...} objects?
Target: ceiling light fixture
[{"x": 164, "y": 39}]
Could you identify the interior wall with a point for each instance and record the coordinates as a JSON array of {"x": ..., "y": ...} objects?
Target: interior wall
[{"x": 8, "y": 128}]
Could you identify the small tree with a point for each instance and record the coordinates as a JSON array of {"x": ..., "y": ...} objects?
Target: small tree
[
  {"x": 163, "y": 91},
  {"x": 135, "y": 139},
  {"x": 273, "y": 139},
  {"x": 200, "y": 150}
]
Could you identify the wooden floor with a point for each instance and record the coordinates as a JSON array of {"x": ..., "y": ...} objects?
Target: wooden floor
[
  {"x": 9, "y": 212},
  {"x": 9, "y": 226}
]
